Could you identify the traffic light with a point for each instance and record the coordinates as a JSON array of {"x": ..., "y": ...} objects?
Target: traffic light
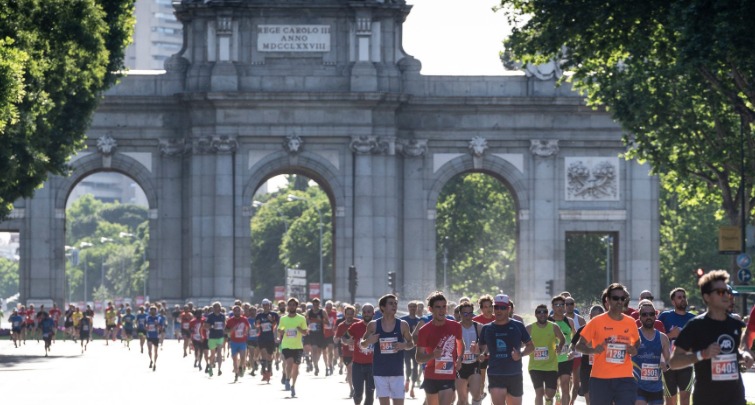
[
  {"x": 392, "y": 281},
  {"x": 549, "y": 288},
  {"x": 353, "y": 283},
  {"x": 700, "y": 273}
]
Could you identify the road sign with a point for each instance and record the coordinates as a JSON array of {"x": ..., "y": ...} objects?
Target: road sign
[
  {"x": 729, "y": 242},
  {"x": 744, "y": 275},
  {"x": 297, "y": 281},
  {"x": 280, "y": 293},
  {"x": 314, "y": 290},
  {"x": 297, "y": 273},
  {"x": 327, "y": 291},
  {"x": 139, "y": 300},
  {"x": 744, "y": 261}
]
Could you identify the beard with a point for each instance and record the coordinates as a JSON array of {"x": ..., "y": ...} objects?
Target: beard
[{"x": 681, "y": 306}]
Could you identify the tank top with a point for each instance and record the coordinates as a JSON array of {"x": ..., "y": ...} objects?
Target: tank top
[
  {"x": 566, "y": 329},
  {"x": 576, "y": 327},
  {"x": 544, "y": 357},
  {"x": 646, "y": 363},
  {"x": 469, "y": 335},
  {"x": 386, "y": 360}
]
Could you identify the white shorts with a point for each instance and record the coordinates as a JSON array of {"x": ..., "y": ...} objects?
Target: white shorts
[{"x": 389, "y": 387}]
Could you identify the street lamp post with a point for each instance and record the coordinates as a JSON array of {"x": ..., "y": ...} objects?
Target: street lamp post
[
  {"x": 292, "y": 197},
  {"x": 84, "y": 245},
  {"x": 608, "y": 239},
  {"x": 144, "y": 260}
]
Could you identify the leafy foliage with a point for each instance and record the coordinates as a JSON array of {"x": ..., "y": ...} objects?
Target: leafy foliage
[
  {"x": 678, "y": 76},
  {"x": 476, "y": 222},
  {"x": 8, "y": 277},
  {"x": 57, "y": 57},
  {"x": 585, "y": 262}
]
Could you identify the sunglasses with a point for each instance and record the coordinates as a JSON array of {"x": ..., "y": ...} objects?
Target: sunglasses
[
  {"x": 618, "y": 298},
  {"x": 558, "y": 305},
  {"x": 647, "y": 314},
  {"x": 500, "y": 307},
  {"x": 467, "y": 313},
  {"x": 721, "y": 291},
  {"x": 542, "y": 311},
  {"x": 569, "y": 304}
]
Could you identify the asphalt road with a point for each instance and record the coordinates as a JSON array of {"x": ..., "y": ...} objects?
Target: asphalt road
[{"x": 108, "y": 372}]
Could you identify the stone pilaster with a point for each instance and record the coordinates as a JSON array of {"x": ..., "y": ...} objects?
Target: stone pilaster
[
  {"x": 543, "y": 222},
  {"x": 412, "y": 281}
]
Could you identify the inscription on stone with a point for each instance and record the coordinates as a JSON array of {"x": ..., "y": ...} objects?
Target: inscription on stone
[{"x": 293, "y": 38}]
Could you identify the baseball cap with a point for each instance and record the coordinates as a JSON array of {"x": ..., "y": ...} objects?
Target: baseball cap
[
  {"x": 733, "y": 291},
  {"x": 265, "y": 301},
  {"x": 501, "y": 299}
]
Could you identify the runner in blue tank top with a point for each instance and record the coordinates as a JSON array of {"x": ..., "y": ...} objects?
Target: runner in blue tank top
[
  {"x": 647, "y": 364},
  {"x": 390, "y": 337}
]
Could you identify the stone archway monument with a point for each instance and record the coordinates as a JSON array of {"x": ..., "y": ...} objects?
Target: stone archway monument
[{"x": 324, "y": 87}]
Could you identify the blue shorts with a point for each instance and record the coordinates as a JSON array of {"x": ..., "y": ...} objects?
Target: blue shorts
[
  {"x": 237, "y": 347},
  {"x": 619, "y": 391}
]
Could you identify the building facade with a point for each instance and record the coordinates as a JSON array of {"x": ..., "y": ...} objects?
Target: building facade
[{"x": 324, "y": 89}]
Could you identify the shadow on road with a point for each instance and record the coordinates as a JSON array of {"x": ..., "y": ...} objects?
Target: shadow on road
[{"x": 7, "y": 361}]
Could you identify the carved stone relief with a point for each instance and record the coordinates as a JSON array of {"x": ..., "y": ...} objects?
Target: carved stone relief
[{"x": 592, "y": 178}]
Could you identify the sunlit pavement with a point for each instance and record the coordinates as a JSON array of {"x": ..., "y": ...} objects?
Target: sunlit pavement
[{"x": 113, "y": 371}]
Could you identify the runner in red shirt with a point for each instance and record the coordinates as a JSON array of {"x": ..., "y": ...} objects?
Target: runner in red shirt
[
  {"x": 439, "y": 344},
  {"x": 749, "y": 331},
  {"x": 55, "y": 316},
  {"x": 361, "y": 367},
  {"x": 485, "y": 303},
  {"x": 186, "y": 317},
  {"x": 237, "y": 327},
  {"x": 199, "y": 339},
  {"x": 347, "y": 343},
  {"x": 328, "y": 330}
]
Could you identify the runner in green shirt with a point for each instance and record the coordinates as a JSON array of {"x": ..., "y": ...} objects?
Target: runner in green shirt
[
  {"x": 291, "y": 329},
  {"x": 543, "y": 366}
]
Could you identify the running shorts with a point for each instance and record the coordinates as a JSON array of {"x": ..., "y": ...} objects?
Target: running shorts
[
  {"x": 293, "y": 354},
  {"x": 237, "y": 347},
  {"x": 347, "y": 360},
  {"x": 153, "y": 341},
  {"x": 513, "y": 384},
  {"x": 467, "y": 370},
  {"x": 652, "y": 398},
  {"x": 267, "y": 345},
  {"x": 212, "y": 344},
  {"x": 432, "y": 386},
  {"x": 186, "y": 333},
  {"x": 391, "y": 386},
  {"x": 549, "y": 379},
  {"x": 251, "y": 343},
  {"x": 677, "y": 380},
  {"x": 110, "y": 327},
  {"x": 565, "y": 367}
]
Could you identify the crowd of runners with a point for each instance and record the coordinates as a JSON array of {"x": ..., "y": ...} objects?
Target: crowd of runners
[{"x": 456, "y": 352}]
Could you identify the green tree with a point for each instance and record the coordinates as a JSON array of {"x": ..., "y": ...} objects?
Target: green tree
[
  {"x": 8, "y": 277},
  {"x": 57, "y": 58},
  {"x": 678, "y": 76},
  {"x": 476, "y": 222},
  {"x": 585, "y": 261}
]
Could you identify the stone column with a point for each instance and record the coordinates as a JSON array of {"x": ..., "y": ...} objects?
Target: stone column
[
  {"x": 363, "y": 147},
  {"x": 201, "y": 182},
  {"x": 225, "y": 148},
  {"x": 411, "y": 280},
  {"x": 168, "y": 240},
  {"x": 543, "y": 224}
]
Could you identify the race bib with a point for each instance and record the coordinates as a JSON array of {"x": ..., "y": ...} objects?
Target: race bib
[
  {"x": 266, "y": 327},
  {"x": 252, "y": 332},
  {"x": 185, "y": 325},
  {"x": 218, "y": 326},
  {"x": 141, "y": 321},
  {"x": 541, "y": 353},
  {"x": 197, "y": 336},
  {"x": 724, "y": 367},
  {"x": 650, "y": 372},
  {"x": 291, "y": 333},
  {"x": 314, "y": 327},
  {"x": 86, "y": 328},
  {"x": 239, "y": 333},
  {"x": 151, "y": 327},
  {"x": 616, "y": 353},
  {"x": 387, "y": 345},
  {"x": 565, "y": 349},
  {"x": 444, "y": 365},
  {"x": 15, "y": 324},
  {"x": 468, "y": 358},
  {"x": 351, "y": 347}
]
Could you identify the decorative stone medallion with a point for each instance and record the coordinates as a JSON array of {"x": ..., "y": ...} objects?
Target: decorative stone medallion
[{"x": 592, "y": 178}]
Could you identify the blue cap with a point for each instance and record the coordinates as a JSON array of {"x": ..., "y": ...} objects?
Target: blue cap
[{"x": 733, "y": 291}]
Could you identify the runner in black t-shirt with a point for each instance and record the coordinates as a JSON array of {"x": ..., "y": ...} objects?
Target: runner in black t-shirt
[
  {"x": 585, "y": 367},
  {"x": 267, "y": 327},
  {"x": 710, "y": 342},
  {"x": 316, "y": 318}
]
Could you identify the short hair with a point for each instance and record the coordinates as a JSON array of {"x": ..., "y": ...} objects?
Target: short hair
[
  {"x": 484, "y": 298},
  {"x": 541, "y": 306},
  {"x": 237, "y": 302},
  {"x": 645, "y": 303},
  {"x": 611, "y": 288},
  {"x": 349, "y": 307},
  {"x": 511, "y": 303},
  {"x": 565, "y": 294},
  {"x": 412, "y": 303},
  {"x": 217, "y": 303},
  {"x": 706, "y": 282},
  {"x": 464, "y": 299},
  {"x": 384, "y": 300},
  {"x": 317, "y": 300},
  {"x": 294, "y": 300},
  {"x": 457, "y": 310},
  {"x": 597, "y": 308},
  {"x": 328, "y": 302},
  {"x": 435, "y": 296},
  {"x": 676, "y": 290},
  {"x": 465, "y": 304},
  {"x": 558, "y": 298}
]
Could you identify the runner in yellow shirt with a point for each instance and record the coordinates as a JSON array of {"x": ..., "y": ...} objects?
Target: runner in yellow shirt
[{"x": 291, "y": 329}]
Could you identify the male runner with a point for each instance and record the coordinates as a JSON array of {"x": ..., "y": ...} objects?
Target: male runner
[
  {"x": 199, "y": 339},
  {"x": 252, "y": 339},
  {"x": 185, "y": 318},
  {"x": 178, "y": 326},
  {"x": 578, "y": 321},
  {"x": 55, "y": 316},
  {"x": 677, "y": 381},
  {"x": 647, "y": 364},
  {"x": 512, "y": 315},
  {"x": 485, "y": 304},
  {"x": 316, "y": 320},
  {"x": 128, "y": 326},
  {"x": 267, "y": 326},
  {"x": 328, "y": 332},
  {"x": 77, "y": 315},
  {"x": 85, "y": 330},
  {"x": 163, "y": 315},
  {"x": 68, "y": 324},
  {"x": 468, "y": 376},
  {"x": 110, "y": 316},
  {"x": 361, "y": 367},
  {"x": 565, "y": 356},
  {"x": 586, "y": 366},
  {"x": 347, "y": 343},
  {"x": 141, "y": 327},
  {"x": 291, "y": 329},
  {"x": 237, "y": 328},
  {"x": 710, "y": 341},
  {"x": 48, "y": 328},
  {"x": 410, "y": 356},
  {"x": 155, "y": 324},
  {"x": 502, "y": 340},
  {"x": 614, "y": 336},
  {"x": 40, "y": 315},
  {"x": 16, "y": 322},
  {"x": 548, "y": 340},
  {"x": 215, "y": 323},
  {"x": 390, "y": 336}
]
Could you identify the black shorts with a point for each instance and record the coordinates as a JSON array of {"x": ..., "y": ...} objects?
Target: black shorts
[
  {"x": 84, "y": 335},
  {"x": 267, "y": 345},
  {"x": 347, "y": 360},
  {"x": 549, "y": 379},
  {"x": 306, "y": 339},
  {"x": 484, "y": 364},
  {"x": 141, "y": 332},
  {"x": 468, "y": 370},
  {"x": 650, "y": 397},
  {"x": 16, "y": 330},
  {"x": 565, "y": 367},
  {"x": 251, "y": 343},
  {"x": 584, "y": 380},
  {"x": 154, "y": 341},
  {"x": 511, "y": 383},
  {"x": 293, "y": 354},
  {"x": 432, "y": 386},
  {"x": 68, "y": 324},
  {"x": 110, "y": 327},
  {"x": 200, "y": 345},
  {"x": 317, "y": 340},
  {"x": 186, "y": 333},
  {"x": 129, "y": 332},
  {"x": 677, "y": 380}
]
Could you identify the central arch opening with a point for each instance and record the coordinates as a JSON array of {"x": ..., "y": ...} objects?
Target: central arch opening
[{"x": 476, "y": 236}]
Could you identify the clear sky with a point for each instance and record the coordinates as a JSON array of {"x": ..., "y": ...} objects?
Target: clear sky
[{"x": 452, "y": 37}]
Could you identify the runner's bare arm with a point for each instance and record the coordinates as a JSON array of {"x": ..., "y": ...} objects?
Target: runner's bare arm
[
  {"x": 583, "y": 348},
  {"x": 408, "y": 343},
  {"x": 560, "y": 336}
]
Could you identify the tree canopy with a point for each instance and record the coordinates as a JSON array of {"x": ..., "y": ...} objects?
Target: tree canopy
[
  {"x": 57, "y": 58},
  {"x": 677, "y": 75}
]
